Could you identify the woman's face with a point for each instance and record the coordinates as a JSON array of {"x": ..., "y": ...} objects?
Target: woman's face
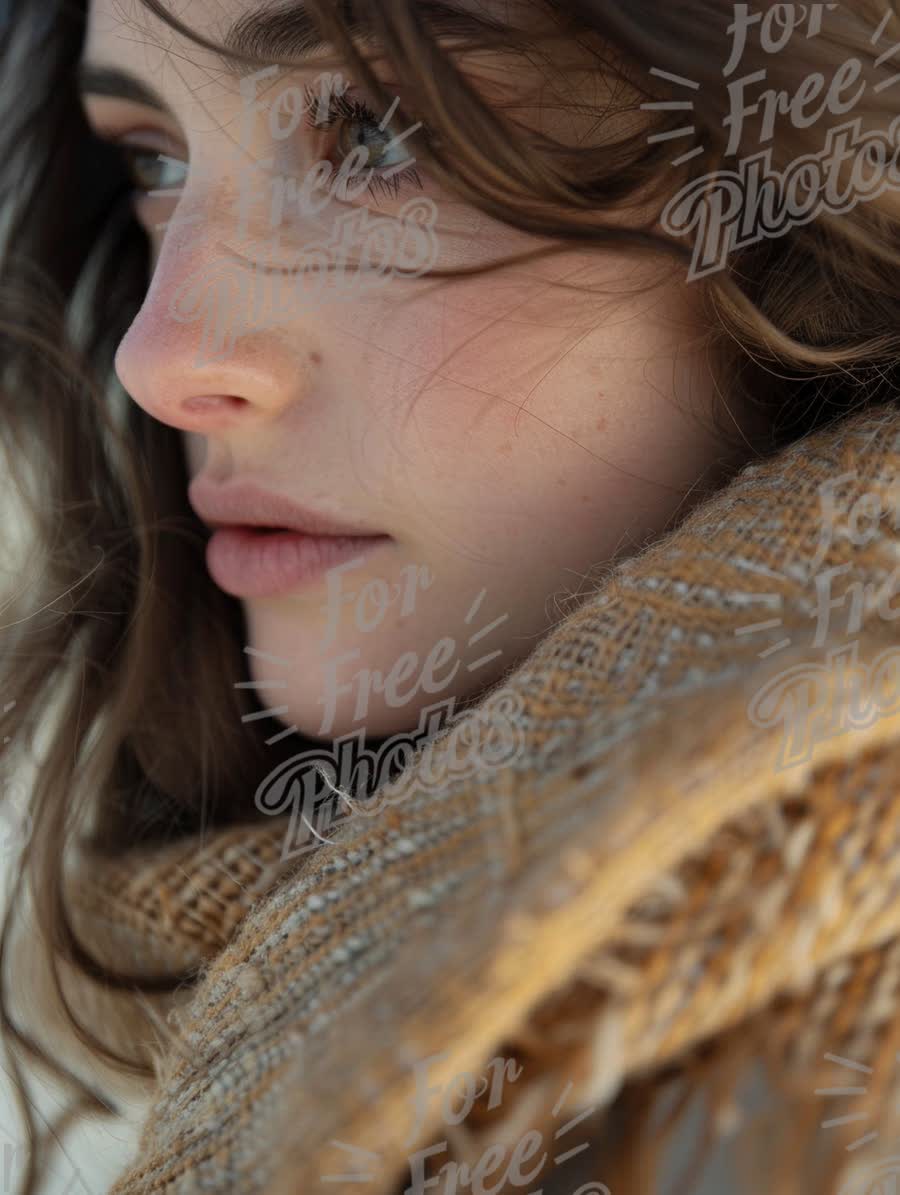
[{"x": 473, "y": 447}]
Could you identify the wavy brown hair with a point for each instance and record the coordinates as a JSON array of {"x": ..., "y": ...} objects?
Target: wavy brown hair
[{"x": 113, "y": 591}]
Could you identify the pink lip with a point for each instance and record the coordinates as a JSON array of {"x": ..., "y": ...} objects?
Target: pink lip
[
  {"x": 248, "y": 563},
  {"x": 243, "y": 504},
  {"x": 296, "y": 546}
]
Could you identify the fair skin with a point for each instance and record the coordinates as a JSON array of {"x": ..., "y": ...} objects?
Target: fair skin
[{"x": 508, "y": 435}]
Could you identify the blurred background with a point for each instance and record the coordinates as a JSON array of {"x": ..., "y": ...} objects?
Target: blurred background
[{"x": 93, "y": 1155}]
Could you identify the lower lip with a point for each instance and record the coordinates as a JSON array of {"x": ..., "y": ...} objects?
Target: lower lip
[{"x": 253, "y": 564}]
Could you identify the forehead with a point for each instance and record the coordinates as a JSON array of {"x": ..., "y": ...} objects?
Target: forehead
[
  {"x": 121, "y": 22},
  {"x": 200, "y": 84},
  {"x": 132, "y": 53},
  {"x": 129, "y": 27},
  {"x": 128, "y": 36}
]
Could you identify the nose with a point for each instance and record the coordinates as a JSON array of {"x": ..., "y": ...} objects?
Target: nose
[{"x": 196, "y": 355}]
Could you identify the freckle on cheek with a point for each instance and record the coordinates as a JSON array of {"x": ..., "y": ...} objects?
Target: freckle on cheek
[{"x": 316, "y": 358}]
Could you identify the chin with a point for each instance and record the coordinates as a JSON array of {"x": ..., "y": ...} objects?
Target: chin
[{"x": 418, "y": 720}]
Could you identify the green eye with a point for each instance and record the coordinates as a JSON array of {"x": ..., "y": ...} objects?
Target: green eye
[
  {"x": 365, "y": 131},
  {"x": 153, "y": 171},
  {"x": 387, "y": 155}
]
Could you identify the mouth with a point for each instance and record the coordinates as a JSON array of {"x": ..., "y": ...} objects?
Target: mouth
[
  {"x": 255, "y": 530},
  {"x": 244, "y": 504},
  {"x": 265, "y": 545},
  {"x": 266, "y": 562}
]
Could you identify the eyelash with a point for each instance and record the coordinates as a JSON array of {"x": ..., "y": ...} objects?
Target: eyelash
[
  {"x": 340, "y": 107},
  {"x": 337, "y": 107}
]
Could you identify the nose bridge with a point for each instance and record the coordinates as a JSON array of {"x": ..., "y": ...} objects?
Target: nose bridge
[
  {"x": 209, "y": 293},
  {"x": 202, "y": 329},
  {"x": 198, "y": 280},
  {"x": 165, "y": 351}
]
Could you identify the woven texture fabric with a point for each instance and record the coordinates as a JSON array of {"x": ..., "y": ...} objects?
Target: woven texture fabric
[{"x": 696, "y": 833}]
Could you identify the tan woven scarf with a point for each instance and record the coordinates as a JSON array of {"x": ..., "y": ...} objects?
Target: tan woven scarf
[{"x": 692, "y": 840}]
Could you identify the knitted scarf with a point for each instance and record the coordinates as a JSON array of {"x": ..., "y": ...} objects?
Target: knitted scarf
[{"x": 678, "y": 842}]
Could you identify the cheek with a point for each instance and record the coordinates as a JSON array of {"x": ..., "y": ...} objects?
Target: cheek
[
  {"x": 506, "y": 485},
  {"x": 551, "y": 436}
]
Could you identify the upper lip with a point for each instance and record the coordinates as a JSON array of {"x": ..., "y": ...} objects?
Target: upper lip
[{"x": 246, "y": 504}]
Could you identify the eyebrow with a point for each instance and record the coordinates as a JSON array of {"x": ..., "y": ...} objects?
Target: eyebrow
[{"x": 269, "y": 34}]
